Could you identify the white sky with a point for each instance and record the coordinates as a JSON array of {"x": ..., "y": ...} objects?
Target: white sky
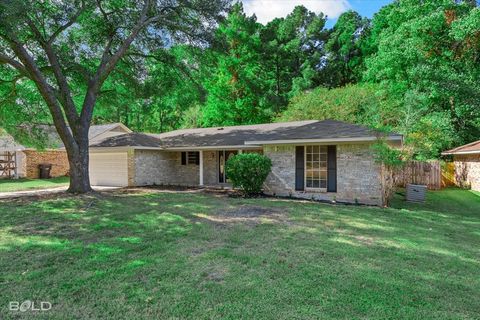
[{"x": 267, "y": 10}]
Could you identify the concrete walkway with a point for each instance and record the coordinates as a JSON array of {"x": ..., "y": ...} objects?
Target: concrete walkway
[{"x": 39, "y": 192}]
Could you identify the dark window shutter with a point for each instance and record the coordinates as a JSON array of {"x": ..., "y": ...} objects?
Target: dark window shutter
[
  {"x": 184, "y": 158},
  {"x": 300, "y": 168},
  {"x": 197, "y": 158},
  {"x": 332, "y": 169}
]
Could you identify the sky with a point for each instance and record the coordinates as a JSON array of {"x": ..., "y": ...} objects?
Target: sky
[{"x": 267, "y": 10}]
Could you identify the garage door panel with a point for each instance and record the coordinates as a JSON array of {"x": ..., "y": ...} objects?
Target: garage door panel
[{"x": 109, "y": 169}]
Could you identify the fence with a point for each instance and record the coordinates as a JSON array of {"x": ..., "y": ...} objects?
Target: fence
[{"x": 418, "y": 172}]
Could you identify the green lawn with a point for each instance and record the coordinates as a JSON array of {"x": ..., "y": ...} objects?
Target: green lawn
[
  {"x": 8, "y": 185},
  {"x": 138, "y": 255}
]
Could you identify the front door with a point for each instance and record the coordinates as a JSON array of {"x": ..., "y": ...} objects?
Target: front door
[{"x": 223, "y": 157}]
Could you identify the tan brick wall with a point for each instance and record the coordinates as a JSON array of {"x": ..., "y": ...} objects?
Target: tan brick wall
[
  {"x": 467, "y": 171},
  {"x": 165, "y": 168},
  {"x": 358, "y": 176},
  {"x": 58, "y": 160},
  {"x": 131, "y": 167}
]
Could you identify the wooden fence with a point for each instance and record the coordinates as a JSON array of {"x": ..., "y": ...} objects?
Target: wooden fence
[{"x": 427, "y": 173}]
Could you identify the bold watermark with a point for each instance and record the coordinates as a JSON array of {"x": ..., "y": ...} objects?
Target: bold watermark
[{"x": 29, "y": 305}]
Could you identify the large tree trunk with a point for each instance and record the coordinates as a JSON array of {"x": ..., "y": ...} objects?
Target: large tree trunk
[{"x": 79, "y": 178}]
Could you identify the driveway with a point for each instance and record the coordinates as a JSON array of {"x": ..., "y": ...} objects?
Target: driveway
[{"x": 39, "y": 192}]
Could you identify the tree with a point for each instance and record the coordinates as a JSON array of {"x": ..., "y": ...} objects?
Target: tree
[
  {"x": 236, "y": 89},
  {"x": 428, "y": 57},
  {"x": 68, "y": 49},
  {"x": 360, "y": 103},
  {"x": 292, "y": 49},
  {"x": 344, "y": 56}
]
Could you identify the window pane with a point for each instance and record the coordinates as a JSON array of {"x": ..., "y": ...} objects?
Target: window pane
[
  {"x": 323, "y": 175},
  {"x": 316, "y": 167},
  {"x": 323, "y": 183}
]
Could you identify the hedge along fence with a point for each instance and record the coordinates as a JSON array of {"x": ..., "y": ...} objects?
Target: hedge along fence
[{"x": 427, "y": 173}]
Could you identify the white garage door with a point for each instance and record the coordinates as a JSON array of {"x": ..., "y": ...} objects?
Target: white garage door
[{"x": 109, "y": 169}]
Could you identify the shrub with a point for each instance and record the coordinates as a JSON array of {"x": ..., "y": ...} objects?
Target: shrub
[
  {"x": 248, "y": 172},
  {"x": 390, "y": 159}
]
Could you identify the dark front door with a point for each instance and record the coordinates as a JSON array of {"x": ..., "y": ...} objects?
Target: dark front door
[{"x": 223, "y": 157}]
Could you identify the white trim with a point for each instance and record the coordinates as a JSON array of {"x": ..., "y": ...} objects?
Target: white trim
[
  {"x": 460, "y": 152},
  {"x": 201, "y": 167},
  {"x": 109, "y": 149},
  {"x": 303, "y": 141},
  {"x": 238, "y": 147}
]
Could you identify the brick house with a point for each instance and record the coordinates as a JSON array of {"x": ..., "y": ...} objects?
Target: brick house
[
  {"x": 27, "y": 159},
  {"x": 322, "y": 160},
  {"x": 466, "y": 161}
]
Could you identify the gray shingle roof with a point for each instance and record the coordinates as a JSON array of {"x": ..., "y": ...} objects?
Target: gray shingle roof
[
  {"x": 133, "y": 139},
  {"x": 239, "y": 135},
  {"x": 51, "y": 136}
]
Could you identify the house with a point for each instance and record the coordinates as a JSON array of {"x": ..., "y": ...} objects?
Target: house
[
  {"x": 466, "y": 161},
  {"x": 23, "y": 162},
  {"x": 323, "y": 160}
]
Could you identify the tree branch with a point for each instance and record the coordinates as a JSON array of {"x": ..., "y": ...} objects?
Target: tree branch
[
  {"x": 68, "y": 24},
  {"x": 65, "y": 92},
  {"x": 4, "y": 59},
  {"x": 45, "y": 90},
  {"x": 108, "y": 64}
]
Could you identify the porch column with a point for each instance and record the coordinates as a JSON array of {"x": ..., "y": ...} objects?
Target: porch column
[{"x": 201, "y": 167}]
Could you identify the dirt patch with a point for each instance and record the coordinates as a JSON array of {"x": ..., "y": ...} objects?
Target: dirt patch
[
  {"x": 248, "y": 214},
  {"x": 247, "y": 211}
]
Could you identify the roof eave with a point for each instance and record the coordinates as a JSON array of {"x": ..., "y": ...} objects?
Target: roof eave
[
  {"x": 449, "y": 153},
  {"x": 327, "y": 140}
]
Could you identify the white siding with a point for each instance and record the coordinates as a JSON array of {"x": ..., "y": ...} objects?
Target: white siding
[{"x": 109, "y": 169}]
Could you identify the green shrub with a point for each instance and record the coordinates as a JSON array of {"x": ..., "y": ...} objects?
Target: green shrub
[{"x": 248, "y": 171}]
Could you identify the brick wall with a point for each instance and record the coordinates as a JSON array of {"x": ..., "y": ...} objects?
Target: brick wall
[
  {"x": 467, "y": 171},
  {"x": 358, "y": 176},
  {"x": 165, "y": 168},
  {"x": 58, "y": 160}
]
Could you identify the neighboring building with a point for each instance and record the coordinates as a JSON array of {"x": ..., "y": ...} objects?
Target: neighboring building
[
  {"x": 322, "y": 160},
  {"x": 26, "y": 160},
  {"x": 466, "y": 159}
]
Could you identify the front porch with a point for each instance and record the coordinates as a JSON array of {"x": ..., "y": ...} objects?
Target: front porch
[{"x": 185, "y": 167}]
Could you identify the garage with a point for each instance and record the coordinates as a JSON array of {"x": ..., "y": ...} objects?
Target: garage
[{"x": 109, "y": 169}]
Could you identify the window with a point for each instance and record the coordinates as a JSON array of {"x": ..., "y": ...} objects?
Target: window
[
  {"x": 316, "y": 167},
  {"x": 190, "y": 157}
]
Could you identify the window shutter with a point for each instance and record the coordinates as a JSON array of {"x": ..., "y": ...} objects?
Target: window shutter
[
  {"x": 332, "y": 169},
  {"x": 197, "y": 158},
  {"x": 184, "y": 158},
  {"x": 300, "y": 168}
]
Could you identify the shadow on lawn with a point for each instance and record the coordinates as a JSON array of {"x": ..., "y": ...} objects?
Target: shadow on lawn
[{"x": 354, "y": 260}]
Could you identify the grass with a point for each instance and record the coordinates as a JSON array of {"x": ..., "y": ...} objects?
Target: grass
[
  {"x": 140, "y": 255},
  {"x": 8, "y": 185}
]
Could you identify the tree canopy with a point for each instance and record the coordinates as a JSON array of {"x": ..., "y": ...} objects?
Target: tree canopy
[{"x": 413, "y": 68}]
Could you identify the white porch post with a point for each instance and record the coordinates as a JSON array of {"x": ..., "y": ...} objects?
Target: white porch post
[
  {"x": 240, "y": 151},
  {"x": 201, "y": 167}
]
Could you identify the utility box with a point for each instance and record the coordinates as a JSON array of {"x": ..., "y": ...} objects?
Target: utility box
[
  {"x": 45, "y": 170},
  {"x": 416, "y": 192}
]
